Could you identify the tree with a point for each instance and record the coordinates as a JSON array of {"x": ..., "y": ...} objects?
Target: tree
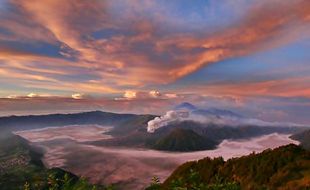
[{"x": 27, "y": 186}]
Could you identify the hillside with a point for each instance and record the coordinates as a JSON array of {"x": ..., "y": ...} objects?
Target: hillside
[
  {"x": 286, "y": 167},
  {"x": 303, "y": 138},
  {"x": 21, "y": 168},
  {"x": 183, "y": 140}
]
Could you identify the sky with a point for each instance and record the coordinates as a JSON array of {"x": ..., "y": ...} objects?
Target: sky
[{"x": 145, "y": 56}]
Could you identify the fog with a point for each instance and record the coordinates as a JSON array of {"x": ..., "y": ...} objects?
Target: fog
[
  {"x": 131, "y": 168},
  {"x": 79, "y": 133}
]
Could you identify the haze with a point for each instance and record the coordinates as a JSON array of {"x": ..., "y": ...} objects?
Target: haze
[{"x": 133, "y": 168}]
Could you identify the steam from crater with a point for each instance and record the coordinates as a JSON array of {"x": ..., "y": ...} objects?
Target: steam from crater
[
  {"x": 221, "y": 117},
  {"x": 164, "y": 120}
]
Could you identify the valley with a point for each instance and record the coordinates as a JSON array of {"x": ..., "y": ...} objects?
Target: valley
[
  {"x": 154, "y": 95},
  {"x": 121, "y": 150},
  {"x": 118, "y": 165}
]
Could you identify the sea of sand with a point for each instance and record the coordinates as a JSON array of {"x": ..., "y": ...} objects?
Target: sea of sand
[{"x": 66, "y": 147}]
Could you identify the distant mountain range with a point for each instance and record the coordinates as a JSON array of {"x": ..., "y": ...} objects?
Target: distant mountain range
[
  {"x": 223, "y": 117},
  {"x": 41, "y": 121},
  {"x": 131, "y": 130},
  {"x": 207, "y": 112}
]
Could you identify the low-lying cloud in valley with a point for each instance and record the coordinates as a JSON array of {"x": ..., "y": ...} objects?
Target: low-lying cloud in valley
[
  {"x": 120, "y": 91},
  {"x": 65, "y": 149}
]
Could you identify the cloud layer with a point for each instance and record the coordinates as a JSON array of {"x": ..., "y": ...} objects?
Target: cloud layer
[
  {"x": 130, "y": 48},
  {"x": 106, "y": 52}
]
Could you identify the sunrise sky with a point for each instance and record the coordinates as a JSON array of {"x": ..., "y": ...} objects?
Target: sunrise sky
[{"x": 145, "y": 56}]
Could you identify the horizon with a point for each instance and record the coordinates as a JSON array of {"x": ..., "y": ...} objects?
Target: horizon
[
  {"x": 154, "y": 94},
  {"x": 145, "y": 57},
  {"x": 237, "y": 119}
]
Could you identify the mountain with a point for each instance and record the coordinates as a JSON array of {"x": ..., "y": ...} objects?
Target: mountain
[
  {"x": 39, "y": 121},
  {"x": 286, "y": 167},
  {"x": 135, "y": 134},
  {"x": 206, "y": 112},
  {"x": 183, "y": 140},
  {"x": 21, "y": 168},
  {"x": 217, "y": 112},
  {"x": 130, "y": 130},
  {"x": 185, "y": 106},
  {"x": 220, "y": 132},
  {"x": 219, "y": 117},
  {"x": 304, "y": 138}
]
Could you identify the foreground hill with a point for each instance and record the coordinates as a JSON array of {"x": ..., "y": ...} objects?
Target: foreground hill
[
  {"x": 21, "y": 168},
  {"x": 303, "y": 138},
  {"x": 286, "y": 167},
  {"x": 183, "y": 140}
]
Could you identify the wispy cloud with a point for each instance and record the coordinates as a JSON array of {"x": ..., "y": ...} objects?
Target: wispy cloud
[
  {"x": 138, "y": 53},
  {"x": 74, "y": 48},
  {"x": 288, "y": 87}
]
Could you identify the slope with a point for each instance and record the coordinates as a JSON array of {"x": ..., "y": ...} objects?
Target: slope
[
  {"x": 286, "y": 167},
  {"x": 183, "y": 140}
]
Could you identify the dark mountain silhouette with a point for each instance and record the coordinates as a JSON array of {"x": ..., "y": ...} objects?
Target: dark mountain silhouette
[
  {"x": 185, "y": 106},
  {"x": 183, "y": 140},
  {"x": 40, "y": 121}
]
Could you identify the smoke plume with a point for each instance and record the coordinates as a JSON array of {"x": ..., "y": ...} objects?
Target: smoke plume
[
  {"x": 164, "y": 120},
  {"x": 208, "y": 117}
]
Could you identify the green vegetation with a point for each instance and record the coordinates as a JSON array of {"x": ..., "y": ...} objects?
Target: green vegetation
[
  {"x": 21, "y": 169},
  {"x": 57, "y": 179},
  {"x": 193, "y": 182},
  {"x": 183, "y": 140},
  {"x": 287, "y": 167}
]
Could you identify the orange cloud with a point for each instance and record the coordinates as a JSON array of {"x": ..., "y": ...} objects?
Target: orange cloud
[
  {"x": 265, "y": 26},
  {"x": 139, "y": 56},
  {"x": 291, "y": 87},
  {"x": 144, "y": 95}
]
